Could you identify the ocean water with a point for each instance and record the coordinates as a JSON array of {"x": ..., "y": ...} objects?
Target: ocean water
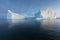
[{"x": 30, "y": 30}]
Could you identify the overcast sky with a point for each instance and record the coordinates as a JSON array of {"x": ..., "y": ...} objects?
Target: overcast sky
[{"x": 27, "y": 7}]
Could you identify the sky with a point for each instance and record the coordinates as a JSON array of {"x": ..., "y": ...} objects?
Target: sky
[{"x": 27, "y": 7}]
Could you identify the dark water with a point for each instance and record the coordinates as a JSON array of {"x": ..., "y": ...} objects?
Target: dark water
[{"x": 30, "y": 30}]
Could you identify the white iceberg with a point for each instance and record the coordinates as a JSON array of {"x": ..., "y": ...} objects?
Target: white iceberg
[
  {"x": 48, "y": 14},
  {"x": 14, "y": 17}
]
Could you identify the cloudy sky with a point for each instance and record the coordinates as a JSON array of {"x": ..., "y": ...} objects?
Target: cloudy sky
[{"x": 27, "y": 7}]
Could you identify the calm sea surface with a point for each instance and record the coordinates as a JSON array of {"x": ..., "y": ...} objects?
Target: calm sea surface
[{"x": 30, "y": 30}]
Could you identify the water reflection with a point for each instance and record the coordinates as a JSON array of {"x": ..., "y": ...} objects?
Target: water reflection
[
  {"x": 15, "y": 22},
  {"x": 22, "y": 22},
  {"x": 51, "y": 24},
  {"x": 40, "y": 30}
]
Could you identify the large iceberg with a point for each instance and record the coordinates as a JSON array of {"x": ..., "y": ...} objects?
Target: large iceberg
[
  {"x": 48, "y": 14},
  {"x": 14, "y": 17}
]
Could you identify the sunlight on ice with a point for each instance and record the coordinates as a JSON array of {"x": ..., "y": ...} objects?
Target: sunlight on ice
[{"x": 48, "y": 14}]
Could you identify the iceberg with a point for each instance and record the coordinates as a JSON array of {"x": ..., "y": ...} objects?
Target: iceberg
[
  {"x": 48, "y": 14},
  {"x": 58, "y": 16},
  {"x": 14, "y": 17}
]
